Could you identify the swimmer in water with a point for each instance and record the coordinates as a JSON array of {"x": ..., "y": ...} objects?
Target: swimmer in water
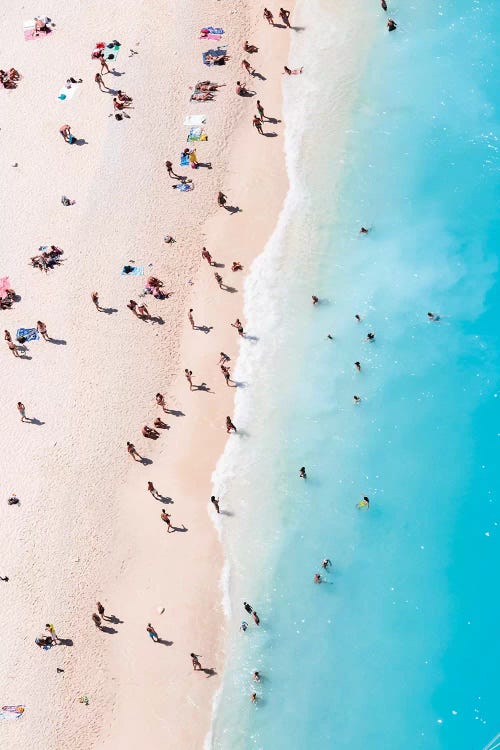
[
  {"x": 243, "y": 626},
  {"x": 357, "y": 318},
  {"x": 391, "y": 25},
  {"x": 433, "y": 316},
  {"x": 326, "y": 563},
  {"x": 302, "y": 473},
  {"x": 329, "y": 336},
  {"x": 256, "y": 677},
  {"x": 357, "y": 365},
  {"x": 370, "y": 337},
  {"x": 364, "y": 230},
  {"x": 253, "y": 697},
  {"x": 317, "y": 578},
  {"x": 356, "y": 399},
  {"x": 315, "y": 299},
  {"x": 364, "y": 503}
]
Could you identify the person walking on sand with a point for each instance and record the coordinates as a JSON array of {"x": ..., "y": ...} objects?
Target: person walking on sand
[
  {"x": 206, "y": 255},
  {"x": 42, "y": 330},
  {"x": 13, "y": 348},
  {"x": 95, "y": 299},
  {"x": 189, "y": 377},
  {"x": 143, "y": 312},
  {"x": 218, "y": 279},
  {"x": 285, "y": 17},
  {"x": 100, "y": 610},
  {"x": 104, "y": 64},
  {"x": 260, "y": 110},
  {"x": 132, "y": 452},
  {"x": 246, "y": 65},
  {"x": 223, "y": 358},
  {"x": 132, "y": 305},
  {"x": 152, "y": 633},
  {"x": 160, "y": 400},
  {"x": 166, "y": 518},
  {"x": 97, "y": 620},
  {"x": 268, "y": 16},
  {"x": 221, "y": 199},
  {"x": 230, "y": 426},
  {"x": 22, "y": 411},
  {"x": 215, "y": 502},
  {"x": 190, "y": 318},
  {"x": 100, "y": 82},
  {"x": 257, "y": 123},
  {"x": 153, "y": 491},
  {"x": 195, "y": 662},
  {"x": 7, "y": 336},
  {"x": 226, "y": 373},
  {"x": 238, "y": 326}
]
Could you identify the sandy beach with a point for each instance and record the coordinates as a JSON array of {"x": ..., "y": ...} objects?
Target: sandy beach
[{"x": 86, "y": 528}]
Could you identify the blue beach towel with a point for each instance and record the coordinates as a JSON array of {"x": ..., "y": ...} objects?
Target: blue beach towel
[
  {"x": 29, "y": 334},
  {"x": 213, "y": 53},
  {"x": 111, "y": 53},
  {"x": 214, "y": 31},
  {"x": 184, "y": 160},
  {"x": 134, "y": 271},
  {"x": 184, "y": 187}
]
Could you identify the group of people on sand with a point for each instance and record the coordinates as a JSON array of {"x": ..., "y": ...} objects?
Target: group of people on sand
[
  {"x": 47, "y": 258},
  {"x": 9, "y": 78}
]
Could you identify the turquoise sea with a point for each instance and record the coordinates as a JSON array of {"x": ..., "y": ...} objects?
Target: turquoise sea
[{"x": 398, "y": 648}]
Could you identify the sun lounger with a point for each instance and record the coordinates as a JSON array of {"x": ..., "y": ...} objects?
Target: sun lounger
[
  {"x": 132, "y": 270},
  {"x": 193, "y": 121},
  {"x": 67, "y": 92}
]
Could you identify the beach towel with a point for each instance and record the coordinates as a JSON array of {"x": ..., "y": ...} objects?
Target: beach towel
[
  {"x": 215, "y": 37},
  {"x": 4, "y": 285},
  {"x": 29, "y": 31},
  {"x": 212, "y": 30},
  {"x": 218, "y": 53},
  {"x": 111, "y": 52},
  {"x": 11, "y": 712},
  {"x": 197, "y": 134},
  {"x": 67, "y": 92},
  {"x": 184, "y": 160},
  {"x": 195, "y": 120},
  {"x": 28, "y": 334},
  {"x": 134, "y": 270},
  {"x": 183, "y": 187}
]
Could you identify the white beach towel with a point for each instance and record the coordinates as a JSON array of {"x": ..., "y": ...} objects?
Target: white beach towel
[
  {"x": 194, "y": 121},
  {"x": 67, "y": 93}
]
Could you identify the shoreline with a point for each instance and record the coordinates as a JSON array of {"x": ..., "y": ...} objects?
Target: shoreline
[{"x": 93, "y": 518}]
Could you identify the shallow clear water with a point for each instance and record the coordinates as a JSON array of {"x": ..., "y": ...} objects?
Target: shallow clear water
[{"x": 398, "y": 648}]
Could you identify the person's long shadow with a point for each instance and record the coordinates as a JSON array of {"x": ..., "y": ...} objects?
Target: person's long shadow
[
  {"x": 145, "y": 461},
  {"x": 164, "y": 642},
  {"x": 251, "y": 338},
  {"x": 218, "y": 265},
  {"x": 113, "y": 618},
  {"x": 80, "y": 142},
  {"x": 226, "y": 288},
  {"x": 233, "y": 209},
  {"x": 175, "y": 412},
  {"x": 34, "y": 420},
  {"x": 165, "y": 499},
  {"x": 204, "y": 329},
  {"x": 202, "y": 387},
  {"x": 259, "y": 75},
  {"x": 272, "y": 120},
  {"x": 108, "y": 310},
  {"x": 298, "y": 28},
  {"x": 107, "y": 629},
  {"x": 65, "y": 642},
  {"x": 58, "y": 342},
  {"x": 156, "y": 319},
  {"x": 226, "y": 513},
  {"x": 179, "y": 528},
  {"x": 209, "y": 671},
  {"x": 239, "y": 384},
  {"x": 207, "y": 164},
  {"x": 114, "y": 72},
  {"x": 270, "y": 135},
  {"x": 247, "y": 93}
]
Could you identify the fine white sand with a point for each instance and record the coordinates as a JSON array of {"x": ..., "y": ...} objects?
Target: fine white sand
[{"x": 87, "y": 528}]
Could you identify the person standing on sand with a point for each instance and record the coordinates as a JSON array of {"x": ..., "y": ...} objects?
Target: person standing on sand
[
  {"x": 52, "y": 632},
  {"x": 95, "y": 299},
  {"x": 7, "y": 335},
  {"x": 153, "y": 491},
  {"x": 104, "y": 64},
  {"x": 166, "y": 518},
  {"x": 221, "y": 199},
  {"x": 226, "y": 373},
  {"x": 218, "y": 279},
  {"x": 170, "y": 170},
  {"x": 190, "y": 317},
  {"x": 160, "y": 400},
  {"x": 238, "y": 326},
  {"x": 152, "y": 633},
  {"x": 42, "y": 330},
  {"x": 257, "y": 123},
  {"x": 189, "y": 378},
  {"x": 13, "y": 348},
  {"x": 22, "y": 411},
  {"x": 206, "y": 255},
  {"x": 223, "y": 358},
  {"x": 132, "y": 452},
  {"x": 246, "y": 65},
  {"x": 143, "y": 312},
  {"x": 230, "y": 426},
  {"x": 97, "y": 620},
  {"x": 132, "y": 305},
  {"x": 215, "y": 503},
  {"x": 195, "y": 662},
  {"x": 100, "y": 609},
  {"x": 100, "y": 82},
  {"x": 268, "y": 16}
]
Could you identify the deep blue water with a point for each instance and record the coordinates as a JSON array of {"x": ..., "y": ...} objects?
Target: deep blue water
[{"x": 398, "y": 649}]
